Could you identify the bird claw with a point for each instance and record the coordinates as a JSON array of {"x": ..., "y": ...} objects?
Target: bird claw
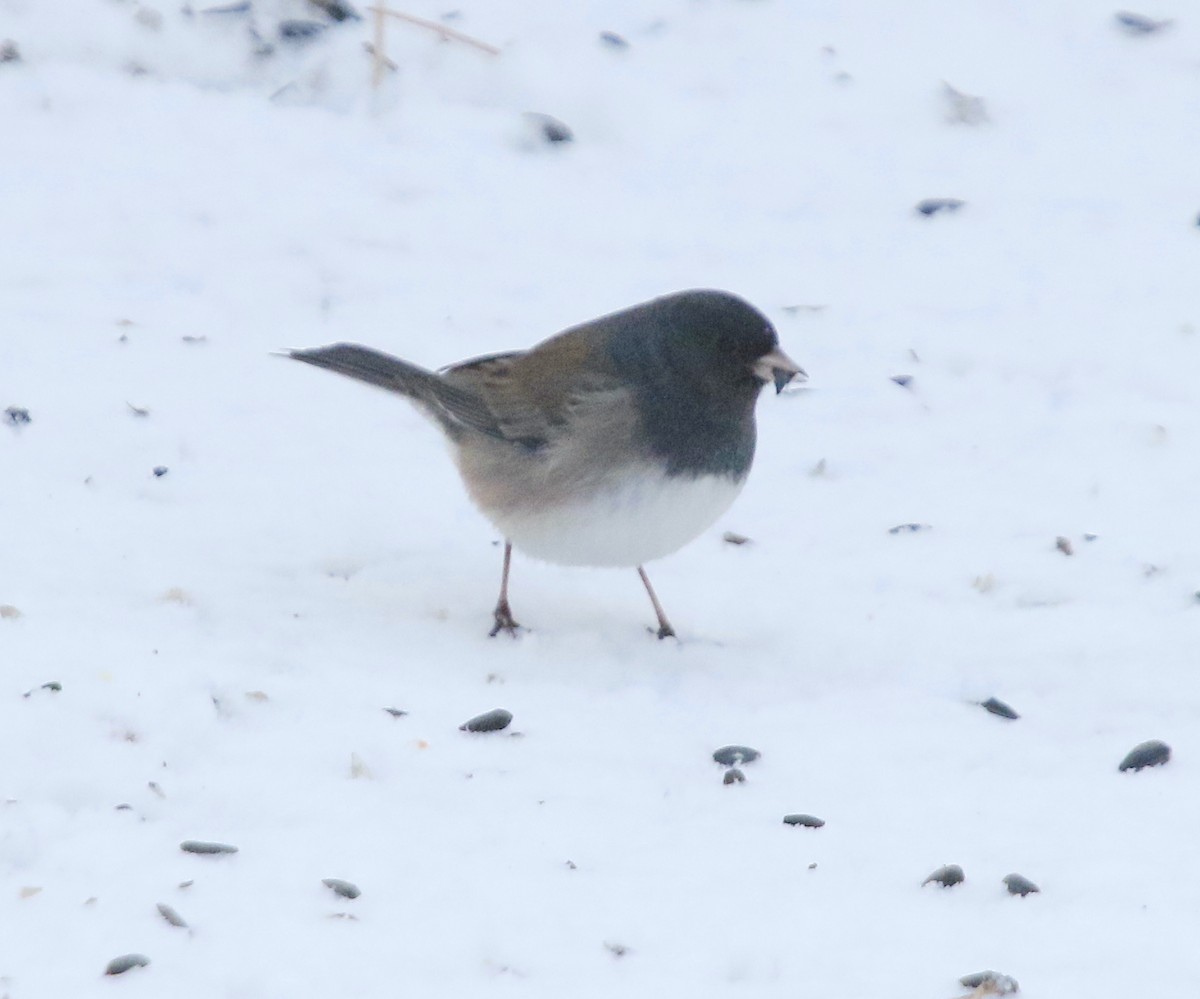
[
  {"x": 504, "y": 621},
  {"x": 663, "y": 631}
]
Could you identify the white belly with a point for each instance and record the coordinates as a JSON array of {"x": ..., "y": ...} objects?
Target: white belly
[{"x": 641, "y": 516}]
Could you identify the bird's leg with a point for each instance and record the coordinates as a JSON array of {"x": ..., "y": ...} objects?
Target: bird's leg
[
  {"x": 664, "y": 626},
  {"x": 503, "y": 613}
]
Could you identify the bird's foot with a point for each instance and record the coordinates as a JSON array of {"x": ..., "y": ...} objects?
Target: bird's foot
[
  {"x": 504, "y": 621},
  {"x": 663, "y": 631}
]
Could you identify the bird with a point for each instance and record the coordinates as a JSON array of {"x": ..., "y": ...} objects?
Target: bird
[{"x": 612, "y": 443}]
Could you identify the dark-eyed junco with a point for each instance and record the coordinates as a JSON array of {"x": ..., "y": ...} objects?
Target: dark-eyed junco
[{"x": 612, "y": 443}]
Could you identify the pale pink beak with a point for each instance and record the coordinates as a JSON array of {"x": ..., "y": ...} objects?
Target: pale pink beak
[{"x": 777, "y": 367}]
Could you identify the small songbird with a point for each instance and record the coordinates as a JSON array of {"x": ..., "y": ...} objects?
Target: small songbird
[{"x": 612, "y": 443}]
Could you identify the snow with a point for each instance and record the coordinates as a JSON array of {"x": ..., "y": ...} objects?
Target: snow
[{"x": 233, "y": 631}]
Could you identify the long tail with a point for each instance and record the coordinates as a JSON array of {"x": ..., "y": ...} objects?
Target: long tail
[
  {"x": 454, "y": 408},
  {"x": 371, "y": 366}
]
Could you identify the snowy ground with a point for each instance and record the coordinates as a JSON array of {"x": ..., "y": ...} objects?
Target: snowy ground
[{"x": 228, "y": 635}]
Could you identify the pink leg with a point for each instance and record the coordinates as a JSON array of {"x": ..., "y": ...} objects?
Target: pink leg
[
  {"x": 664, "y": 626},
  {"x": 503, "y": 613}
]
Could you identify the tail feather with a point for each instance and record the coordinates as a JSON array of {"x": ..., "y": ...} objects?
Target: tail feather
[
  {"x": 370, "y": 366},
  {"x": 454, "y": 408}
]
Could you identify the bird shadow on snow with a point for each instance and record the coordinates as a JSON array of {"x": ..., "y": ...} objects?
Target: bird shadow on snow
[{"x": 587, "y": 610}]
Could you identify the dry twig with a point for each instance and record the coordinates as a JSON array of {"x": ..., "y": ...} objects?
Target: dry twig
[{"x": 447, "y": 34}]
